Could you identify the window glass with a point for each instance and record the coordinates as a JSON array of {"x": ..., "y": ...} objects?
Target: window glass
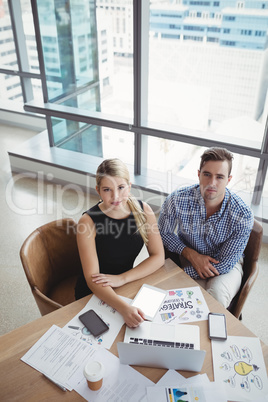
[
  {"x": 37, "y": 89},
  {"x": 70, "y": 53},
  {"x": 94, "y": 140},
  {"x": 179, "y": 164},
  {"x": 86, "y": 68},
  {"x": 118, "y": 144},
  {"x": 115, "y": 43},
  {"x": 244, "y": 174},
  {"x": 28, "y": 27},
  {"x": 10, "y": 88},
  {"x": 78, "y": 137},
  {"x": 8, "y": 57},
  {"x": 69, "y": 44},
  {"x": 10, "y": 85},
  {"x": 86, "y": 99},
  {"x": 265, "y": 191},
  {"x": 207, "y": 75},
  {"x": 82, "y": 50}
]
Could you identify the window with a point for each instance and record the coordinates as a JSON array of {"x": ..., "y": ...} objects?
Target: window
[
  {"x": 214, "y": 29},
  {"x": 193, "y": 28},
  {"x": 18, "y": 54},
  {"x": 246, "y": 32},
  {"x": 203, "y": 93},
  {"x": 228, "y": 43},
  {"x": 210, "y": 39},
  {"x": 158, "y": 105},
  {"x": 229, "y": 18}
]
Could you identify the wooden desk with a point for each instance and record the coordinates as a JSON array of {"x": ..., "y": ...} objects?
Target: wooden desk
[{"x": 20, "y": 382}]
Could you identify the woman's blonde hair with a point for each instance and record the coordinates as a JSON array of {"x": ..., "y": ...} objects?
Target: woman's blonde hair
[{"x": 116, "y": 168}]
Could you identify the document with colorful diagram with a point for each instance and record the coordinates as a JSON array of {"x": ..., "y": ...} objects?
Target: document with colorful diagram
[
  {"x": 238, "y": 363},
  {"x": 183, "y": 305}
]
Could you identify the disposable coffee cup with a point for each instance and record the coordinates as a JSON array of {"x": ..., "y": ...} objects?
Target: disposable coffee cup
[{"x": 94, "y": 371}]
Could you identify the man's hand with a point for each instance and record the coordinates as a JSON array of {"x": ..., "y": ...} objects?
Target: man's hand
[{"x": 201, "y": 263}]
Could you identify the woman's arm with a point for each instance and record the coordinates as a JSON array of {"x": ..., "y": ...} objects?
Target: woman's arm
[
  {"x": 155, "y": 260},
  {"x": 155, "y": 249},
  {"x": 87, "y": 250}
]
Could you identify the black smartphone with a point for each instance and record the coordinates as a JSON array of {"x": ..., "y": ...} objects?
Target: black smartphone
[
  {"x": 217, "y": 326},
  {"x": 93, "y": 323}
]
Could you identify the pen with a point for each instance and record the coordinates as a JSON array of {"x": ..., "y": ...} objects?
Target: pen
[
  {"x": 183, "y": 314},
  {"x": 72, "y": 327},
  {"x": 54, "y": 382}
]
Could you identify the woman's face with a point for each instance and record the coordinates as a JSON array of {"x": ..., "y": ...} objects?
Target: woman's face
[{"x": 114, "y": 192}]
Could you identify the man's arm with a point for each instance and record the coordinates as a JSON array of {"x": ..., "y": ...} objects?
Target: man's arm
[
  {"x": 229, "y": 252},
  {"x": 167, "y": 224},
  {"x": 202, "y": 265}
]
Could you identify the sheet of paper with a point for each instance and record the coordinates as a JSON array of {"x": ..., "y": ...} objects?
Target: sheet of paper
[
  {"x": 171, "y": 378},
  {"x": 183, "y": 305},
  {"x": 59, "y": 355},
  {"x": 112, "y": 318},
  {"x": 238, "y": 364},
  {"x": 262, "y": 399},
  {"x": 190, "y": 393},
  {"x": 121, "y": 383},
  {"x": 169, "y": 388}
]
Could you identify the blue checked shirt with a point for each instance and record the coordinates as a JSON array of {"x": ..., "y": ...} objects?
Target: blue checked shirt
[{"x": 223, "y": 236}]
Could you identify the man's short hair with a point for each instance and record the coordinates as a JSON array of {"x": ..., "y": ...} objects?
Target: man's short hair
[{"x": 217, "y": 154}]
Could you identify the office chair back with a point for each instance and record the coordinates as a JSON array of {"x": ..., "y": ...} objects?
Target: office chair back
[
  {"x": 250, "y": 268},
  {"x": 52, "y": 264}
]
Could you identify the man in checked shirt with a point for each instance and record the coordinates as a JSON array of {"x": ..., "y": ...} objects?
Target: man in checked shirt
[{"x": 205, "y": 227}]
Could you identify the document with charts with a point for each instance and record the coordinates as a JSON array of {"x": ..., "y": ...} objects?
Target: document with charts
[
  {"x": 183, "y": 305},
  {"x": 173, "y": 387}
]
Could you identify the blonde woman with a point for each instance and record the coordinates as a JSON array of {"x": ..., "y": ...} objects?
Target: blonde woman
[{"x": 110, "y": 236}]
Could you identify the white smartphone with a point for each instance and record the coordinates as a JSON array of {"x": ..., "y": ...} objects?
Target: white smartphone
[{"x": 217, "y": 326}]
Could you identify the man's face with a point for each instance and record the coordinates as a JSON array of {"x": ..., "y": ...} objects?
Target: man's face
[{"x": 213, "y": 178}]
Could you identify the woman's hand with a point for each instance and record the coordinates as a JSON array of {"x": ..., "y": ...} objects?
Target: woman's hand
[
  {"x": 133, "y": 316},
  {"x": 108, "y": 280}
]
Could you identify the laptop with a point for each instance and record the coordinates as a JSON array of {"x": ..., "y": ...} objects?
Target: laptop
[{"x": 162, "y": 346}]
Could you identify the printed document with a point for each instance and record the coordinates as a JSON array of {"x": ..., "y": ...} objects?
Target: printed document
[
  {"x": 59, "y": 355},
  {"x": 121, "y": 383},
  {"x": 62, "y": 358},
  {"x": 239, "y": 365},
  {"x": 173, "y": 387},
  {"x": 110, "y": 316},
  {"x": 183, "y": 305}
]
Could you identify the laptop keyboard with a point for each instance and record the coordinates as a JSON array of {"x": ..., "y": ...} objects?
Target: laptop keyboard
[{"x": 180, "y": 345}]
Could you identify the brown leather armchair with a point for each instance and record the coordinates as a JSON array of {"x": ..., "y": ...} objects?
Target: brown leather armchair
[
  {"x": 250, "y": 268},
  {"x": 52, "y": 264}
]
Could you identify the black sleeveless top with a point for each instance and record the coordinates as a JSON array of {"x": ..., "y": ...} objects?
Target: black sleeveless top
[{"x": 118, "y": 243}]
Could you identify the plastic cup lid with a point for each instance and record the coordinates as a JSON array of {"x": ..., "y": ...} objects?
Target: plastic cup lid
[{"x": 94, "y": 371}]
